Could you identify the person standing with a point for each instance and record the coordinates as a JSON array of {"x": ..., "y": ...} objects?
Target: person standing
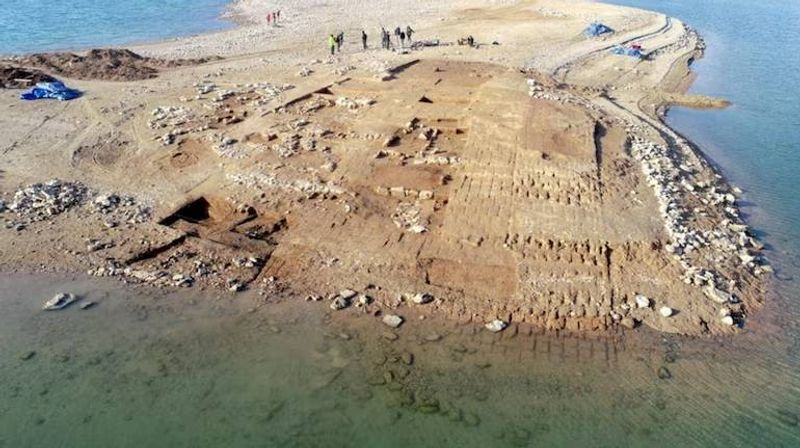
[
  {"x": 269, "y": 19},
  {"x": 409, "y": 32},
  {"x": 364, "y": 39},
  {"x": 402, "y": 39},
  {"x": 332, "y": 43},
  {"x": 274, "y": 19},
  {"x": 339, "y": 41},
  {"x": 397, "y": 34}
]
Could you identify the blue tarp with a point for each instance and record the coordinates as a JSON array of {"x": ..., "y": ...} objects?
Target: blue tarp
[
  {"x": 596, "y": 29},
  {"x": 634, "y": 52},
  {"x": 56, "y": 90}
]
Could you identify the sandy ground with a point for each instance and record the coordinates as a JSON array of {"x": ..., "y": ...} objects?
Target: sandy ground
[{"x": 528, "y": 180}]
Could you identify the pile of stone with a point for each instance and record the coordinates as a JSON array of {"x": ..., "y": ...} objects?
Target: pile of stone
[
  {"x": 401, "y": 192},
  {"x": 670, "y": 181},
  {"x": 40, "y": 201},
  {"x": 354, "y": 103},
  {"x": 408, "y": 217},
  {"x": 226, "y": 147},
  {"x": 170, "y": 116},
  {"x": 308, "y": 187},
  {"x": 123, "y": 207}
]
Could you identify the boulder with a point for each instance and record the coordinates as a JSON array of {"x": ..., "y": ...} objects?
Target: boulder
[
  {"x": 60, "y": 301},
  {"x": 422, "y": 298},
  {"x": 339, "y": 303},
  {"x": 347, "y": 294},
  {"x": 393, "y": 320},
  {"x": 642, "y": 301},
  {"x": 496, "y": 326},
  {"x": 666, "y": 311}
]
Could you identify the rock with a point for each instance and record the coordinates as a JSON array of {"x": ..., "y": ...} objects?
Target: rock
[
  {"x": 389, "y": 336},
  {"x": 422, "y": 298},
  {"x": 235, "y": 286},
  {"x": 718, "y": 295},
  {"x": 417, "y": 229},
  {"x": 407, "y": 358},
  {"x": 340, "y": 303},
  {"x": 664, "y": 373},
  {"x": 642, "y": 301},
  {"x": 628, "y": 322},
  {"x": 59, "y": 302},
  {"x": 433, "y": 337},
  {"x": 364, "y": 300},
  {"x": 87, "y": 305},
  {"x": 666, "y": 311},
  {"x": 27, "y": 356},
  {"x": 496, "y": 326},
  {"x": 728, "y": 321},
  {"x": 347, "y": 294},
  {"x": 393, "y": 320}
]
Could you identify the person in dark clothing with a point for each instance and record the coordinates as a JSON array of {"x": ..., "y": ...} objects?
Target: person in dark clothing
[
  {"x": 409, "y": 32},
  {"x": 339, "y": 41},
  {"x": 402, "y": 39},
  {"x": 364, "y": 39},
  {"x": 385, "y": 38},
  {"x": 397, "y": 34}
]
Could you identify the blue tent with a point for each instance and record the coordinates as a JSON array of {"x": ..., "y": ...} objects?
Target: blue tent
[
  {"x": 630, "y": 51},
  {"x": 56, "y": 90},
  {"x": 597, "y": 29}
]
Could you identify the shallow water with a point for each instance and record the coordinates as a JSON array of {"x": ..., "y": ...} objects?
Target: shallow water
[
  {"x": 38, "y": 25},
  {"x": 147, "y": 368}
]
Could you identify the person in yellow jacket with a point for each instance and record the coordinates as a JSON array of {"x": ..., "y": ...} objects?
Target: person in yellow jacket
[{"x": 332, "y": 43}]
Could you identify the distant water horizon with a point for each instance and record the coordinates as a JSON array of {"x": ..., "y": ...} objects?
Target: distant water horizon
[{"x": 31, "y": 26}]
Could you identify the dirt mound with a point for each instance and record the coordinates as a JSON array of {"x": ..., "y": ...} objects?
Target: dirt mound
[
  {"x": 103, "y": 64},
  {"x": 20, "y": 78}
]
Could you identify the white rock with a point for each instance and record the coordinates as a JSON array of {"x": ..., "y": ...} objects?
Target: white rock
[
  {"x": 393, "y": 320},
  {"x": 347, "y": 294},
  {"x": 496, "y": 326},
  {"x": 666, "y": 311},
  {"x": 422, "y": 298},
  {"x": 727, "y": 320},
  {"x": 59, "y": 302},
  {"x": 642, "y": 301}
]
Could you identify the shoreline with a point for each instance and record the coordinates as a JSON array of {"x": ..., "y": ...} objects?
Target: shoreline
[{"x": 664, "y": 39}]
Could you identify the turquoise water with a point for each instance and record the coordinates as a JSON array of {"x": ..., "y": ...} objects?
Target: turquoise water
[
  {"x": 39, "y": 25},
  {"x": 188, "y": 369},
  {"x": 752, "y": 60}
]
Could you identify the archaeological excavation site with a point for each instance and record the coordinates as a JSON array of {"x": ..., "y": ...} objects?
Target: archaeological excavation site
[{"x": 429, "y": 183}]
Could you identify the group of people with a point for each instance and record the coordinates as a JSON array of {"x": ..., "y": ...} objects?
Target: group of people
[
  {"x": 399, "y": 34},
  {"x": 273, "y": 17},
  {"x": 335, "y": 42}
]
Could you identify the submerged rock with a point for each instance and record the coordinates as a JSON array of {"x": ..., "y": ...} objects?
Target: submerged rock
[{"x": 59, "y": 302}]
